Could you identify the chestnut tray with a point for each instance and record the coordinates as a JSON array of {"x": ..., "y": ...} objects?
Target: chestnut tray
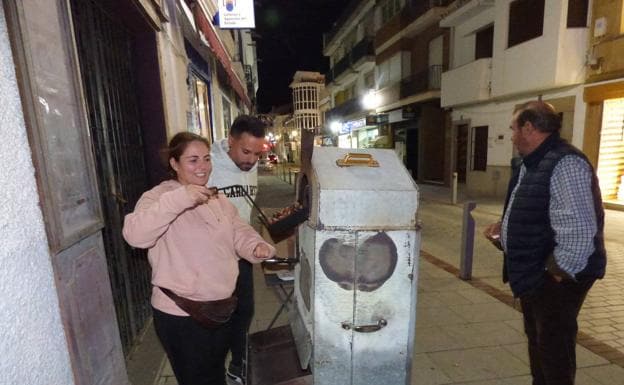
[
  {"x": 285, "y": 226},
  {"x": 278, "y": 230}
]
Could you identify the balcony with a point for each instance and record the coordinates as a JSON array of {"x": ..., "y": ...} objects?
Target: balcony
[
  {"x": 347, "y": 108},
  {"x": 363, "y": 52},
  {"x": 469, "y": 83},
  {"x": 341, "y": 67},
  {"x": 427, "y": 80},
  {"x": 342, "y": 19},
  {"x": 406, "y": 20}
]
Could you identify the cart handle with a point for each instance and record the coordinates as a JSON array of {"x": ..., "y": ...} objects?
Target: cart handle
[{"x": 357, "y": 159}]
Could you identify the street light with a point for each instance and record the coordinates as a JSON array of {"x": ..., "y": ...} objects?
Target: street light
[
  {"x": 335, "y": 126},
  {"x": 370, "y": 100}
]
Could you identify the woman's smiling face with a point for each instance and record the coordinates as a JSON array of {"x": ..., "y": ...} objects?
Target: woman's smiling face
[{"x": 194, "y": 166}]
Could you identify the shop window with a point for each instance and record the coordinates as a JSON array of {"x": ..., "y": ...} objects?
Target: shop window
[
  {"x": 227, "y": 116},
  {"x": 389, "y": 8},
  {"x": 391, "y": 70},
  {"x": 611, "y": 154},
  {"x": 526, "y": 21},
  {"x": 484, "y": 43},
  {"x": 479, "y": 148},
  {"x": 577, "y": 13}
]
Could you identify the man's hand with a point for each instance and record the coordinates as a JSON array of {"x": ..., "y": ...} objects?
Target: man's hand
[
  {"x": 200, "y": 194},
  {"x": 262, "y": 251},
  {"x": 492, "y": 233}
]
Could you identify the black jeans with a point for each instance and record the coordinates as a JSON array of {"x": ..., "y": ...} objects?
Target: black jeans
[
  {"x": 241, "y": 319},
  {"x": 197, "y": 355},
  {"x": 550, "y": 324}
]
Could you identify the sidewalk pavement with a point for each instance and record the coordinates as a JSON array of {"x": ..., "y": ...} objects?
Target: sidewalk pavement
[{"x": 467, "y": 332}]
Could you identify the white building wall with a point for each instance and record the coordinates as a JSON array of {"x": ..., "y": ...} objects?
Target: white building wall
[
  {"x": 571, "y": 54},
  {"x": 173, "y": 73},
  {"x": 33, "y": 349},
  {"x": 548, "y": 61},
  {"x": 497, "y": 116},
  {"x": 463, "y": 51}
]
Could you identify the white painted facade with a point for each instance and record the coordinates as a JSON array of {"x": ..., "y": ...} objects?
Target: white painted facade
[
  {"x": 33, "y": 349},
  {"x": 484, "y": 92}
]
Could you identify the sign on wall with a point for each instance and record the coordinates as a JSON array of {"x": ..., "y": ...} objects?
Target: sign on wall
[{"x": 236, "y": 14}]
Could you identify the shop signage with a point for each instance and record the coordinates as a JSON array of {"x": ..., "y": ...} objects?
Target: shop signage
[
  {"x": 236, "y": 14},
  {"x": 372, "y": 120},
  {"x": 352, "y": 125},
  {"x": 410, "y": 112}
]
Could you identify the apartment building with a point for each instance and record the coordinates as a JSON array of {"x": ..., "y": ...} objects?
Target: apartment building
[
  {"x": 411, "y": 52},
  {"x": 387, "y": 58},
  {"x": 349, "y": 47},
  {"x": 604, "y": 94},
  {"x": 504, "y": 53}
]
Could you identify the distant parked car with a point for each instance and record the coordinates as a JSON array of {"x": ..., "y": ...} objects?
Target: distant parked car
[
  {"x": 265, "y": 164},
  {"x": 273, "y": 158}
]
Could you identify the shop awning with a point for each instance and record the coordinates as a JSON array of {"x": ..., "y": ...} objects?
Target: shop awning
[{"x": 207, "y": 29}]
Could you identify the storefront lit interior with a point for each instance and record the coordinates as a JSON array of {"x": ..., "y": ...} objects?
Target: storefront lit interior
[{"x": 611, "y": 153}]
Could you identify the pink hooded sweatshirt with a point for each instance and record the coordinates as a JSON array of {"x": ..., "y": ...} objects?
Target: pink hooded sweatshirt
[{"x": 193, "y": 250}]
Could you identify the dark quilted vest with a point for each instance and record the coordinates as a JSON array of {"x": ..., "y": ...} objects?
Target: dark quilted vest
[{"x": 530, "y": 238}]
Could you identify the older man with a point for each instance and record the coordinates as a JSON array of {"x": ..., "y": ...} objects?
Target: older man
[{"x": 552, "y": 237}]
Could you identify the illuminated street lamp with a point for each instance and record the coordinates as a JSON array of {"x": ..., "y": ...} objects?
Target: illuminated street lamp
[
  {"x": 370, "y": 100},
  {"x": 335, "y": 126}
]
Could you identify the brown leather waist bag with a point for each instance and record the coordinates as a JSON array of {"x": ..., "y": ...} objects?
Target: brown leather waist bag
[{"x": 209, "y": 314}]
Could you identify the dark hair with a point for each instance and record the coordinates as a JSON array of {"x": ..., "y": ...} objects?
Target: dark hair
[
  {"x": 542, "y": 116},
  {"x": 249, "y": 124},
  {"x": 177, "y": 146}
]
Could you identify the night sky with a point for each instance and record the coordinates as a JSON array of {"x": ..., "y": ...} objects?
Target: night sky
[{"x": 290, "y": 39}]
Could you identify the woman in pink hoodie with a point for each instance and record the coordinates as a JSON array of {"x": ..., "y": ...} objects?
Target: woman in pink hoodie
[{"x": 195, "y": 237}]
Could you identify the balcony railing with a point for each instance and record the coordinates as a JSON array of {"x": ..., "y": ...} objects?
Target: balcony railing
[
  {"x": 346, "y": 13},
  {"x": 362, "y": 49},
  {"x": 427, "y": 80},
  {"x": 342, "y": 65},
  {"x": 347, "y": 108},
  {"x": 358, "y": 54},
  {"x": 405, "y": 17}
]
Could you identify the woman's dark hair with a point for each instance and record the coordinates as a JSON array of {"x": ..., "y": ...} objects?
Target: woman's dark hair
[{"x": 177, "y": 146}]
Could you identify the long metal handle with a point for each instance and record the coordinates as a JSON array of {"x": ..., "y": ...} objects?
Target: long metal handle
[
  {"x": 240, "y": 189},
  {"x": 365, "y": 328},
  {"x": 279, "y": 260}
]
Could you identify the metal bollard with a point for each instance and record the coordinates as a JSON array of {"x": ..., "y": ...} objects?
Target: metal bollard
[
  {"x": 467, "y": 245},
  {"x": 454, "y": 192}
]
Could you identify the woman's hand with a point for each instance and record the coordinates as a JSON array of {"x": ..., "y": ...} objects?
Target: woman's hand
[
  {"x": 262, "y": 251},
  {"x": 201, "y": 194}
]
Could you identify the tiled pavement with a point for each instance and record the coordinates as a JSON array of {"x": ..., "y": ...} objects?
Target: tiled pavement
[
  {"x": 468, "y": 332},
  {"x": 601, "y": 322}
]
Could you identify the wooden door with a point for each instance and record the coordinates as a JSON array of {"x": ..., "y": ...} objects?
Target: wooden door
[
  {"x": 44, "y": 54},
  {"x": 461, "y": 155}
]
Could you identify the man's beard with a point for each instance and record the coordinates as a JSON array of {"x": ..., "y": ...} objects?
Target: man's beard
[{"x": 245, "y": 166}]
